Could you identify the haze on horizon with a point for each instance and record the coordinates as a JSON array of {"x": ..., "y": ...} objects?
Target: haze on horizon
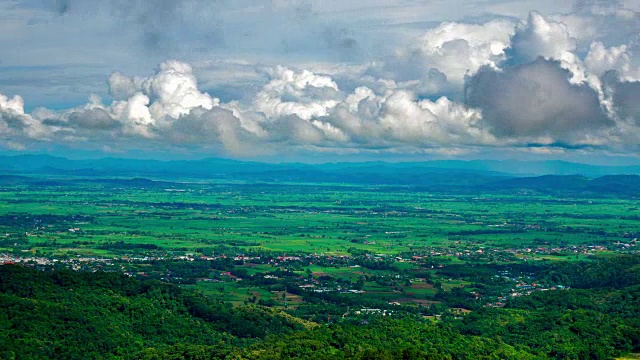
[{"x": 321, "y": 79}]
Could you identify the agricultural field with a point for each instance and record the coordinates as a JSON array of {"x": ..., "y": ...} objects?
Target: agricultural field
[
  {"x": 379, "y": 244},
  {"x": 83, "y": 217}
]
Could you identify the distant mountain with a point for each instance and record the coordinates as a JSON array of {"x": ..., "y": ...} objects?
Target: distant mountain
[
  {"x": 223, "y": 168},
  {"x": 13, "y": 179},
  {"x": 545, "y": 182},
  {"x": 610, "y": 184},
  {"x": 536, "y": 168},
  {"x": 616, "y": 184},
  {"x": 44, "y": 164},
  {"x": 24, "y": 163},
  {"x": 431, "y": 175}
]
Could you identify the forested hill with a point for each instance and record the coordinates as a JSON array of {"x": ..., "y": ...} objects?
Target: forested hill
[
  {"x": 79, "y": 315},
  {"x": 75, "y": 315}
]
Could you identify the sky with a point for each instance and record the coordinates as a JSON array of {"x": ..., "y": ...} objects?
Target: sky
[{"x": 315, "y": 80}]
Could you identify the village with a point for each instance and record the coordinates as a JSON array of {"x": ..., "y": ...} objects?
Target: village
[{"x": 423, "y": 278}]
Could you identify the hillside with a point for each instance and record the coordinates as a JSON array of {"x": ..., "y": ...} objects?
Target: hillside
[
  {"x": 610, "y": 184},
  {"x": 78, "y": 315}
]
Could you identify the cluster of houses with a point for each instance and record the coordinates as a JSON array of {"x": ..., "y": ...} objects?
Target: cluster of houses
[{"x": 523, "y": 286}]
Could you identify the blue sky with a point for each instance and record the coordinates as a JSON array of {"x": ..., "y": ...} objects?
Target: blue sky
[{"x": 321, "y": 79}]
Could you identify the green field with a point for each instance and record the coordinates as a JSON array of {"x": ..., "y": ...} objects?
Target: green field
[
  {"x": 379, "y": 244},
  {"x": 286, "y": 218}
]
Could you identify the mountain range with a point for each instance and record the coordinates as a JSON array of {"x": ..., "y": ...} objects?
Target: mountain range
[{"x": 488, "y": 175}]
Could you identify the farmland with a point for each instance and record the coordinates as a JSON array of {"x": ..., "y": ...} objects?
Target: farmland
[
  {"x": 309, "y": 218},
  {"x": 321, "y": 231}
]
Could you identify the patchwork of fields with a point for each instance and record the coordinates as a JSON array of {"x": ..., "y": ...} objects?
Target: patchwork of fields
[
  {"x": 80, "y": 217},
  {"x": 383, "y": 245}
]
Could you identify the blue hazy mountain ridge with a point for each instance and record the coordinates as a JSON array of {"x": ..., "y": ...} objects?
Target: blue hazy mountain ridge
[
  {"x": 218, "y": 165},
  {"x": 440, "y": 175}
]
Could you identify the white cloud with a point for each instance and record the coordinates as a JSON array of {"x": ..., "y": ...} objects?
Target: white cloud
[
  {"x": 16, "y": 126},
  {"x": 134, "y": 113},
  {"x": 612, "y": 26},
  {"x": 14, "y": 104},
  {"x": 539, "y": 36},
  {"x": 156, "y": 101},
  {"x": 396, "y": 118},
  {"x": 458, "y": 49},
  {"x": 122, "y": 87},
  {"x": 600, "y": 59},
  {"x": 303, "y": 94},
  {"x": 171, "y": 92},
  {"x": 440, "y": 59}
]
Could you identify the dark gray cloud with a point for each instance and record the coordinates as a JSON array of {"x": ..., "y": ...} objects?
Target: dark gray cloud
[
  {"x": 61, "y": 6},
  {"x": 535, "y": 100},
  {"x": 294, "y": 130},
  {"x": 12, "y": 122},
  {"x": 93, "y": 119},
  {"x": 159, "y": 25},
  {"x": 54, "y": 122},
  {"x": 342, "y": 41},
  {"x": 199, "y": 126},
  {"x": 626, "y": 99},
  {"x": 590, "y": 6},
  {"x": 210, "y": 129}
]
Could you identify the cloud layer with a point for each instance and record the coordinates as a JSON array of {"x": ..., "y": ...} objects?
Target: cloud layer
[{"x": 457, "y": 87}]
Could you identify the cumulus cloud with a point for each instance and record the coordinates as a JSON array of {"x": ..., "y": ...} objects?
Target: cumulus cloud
[
  {"x": 600, "y": 60},
  {"x": 442, "y": 57},
  {"x": 293, "y": 109},
  {"x": 536, "y": 101},
  {"x": 303, "y": 94},
  {"x": 11, "y": 114},
  {"x": 14, "y": 105},
  {"x": 397, "y": 118},
  {"x": 543, "y": 37},
  {"x": 176, "y": 91},
  {"x": 625, "y": 95},
  {"x": 608, "y": 22},
  {"x": 457, "y": 49},
  {"x": 16, "y": 125},
  {"x": 209, "y": 129},
  {"x": 539, "y": 36},
  {"x": 142, "y": 105},
  {"x": 142, "y": 108},
  {"x": 92, "y": 119},
  {"x": 122, "y": 87}
]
